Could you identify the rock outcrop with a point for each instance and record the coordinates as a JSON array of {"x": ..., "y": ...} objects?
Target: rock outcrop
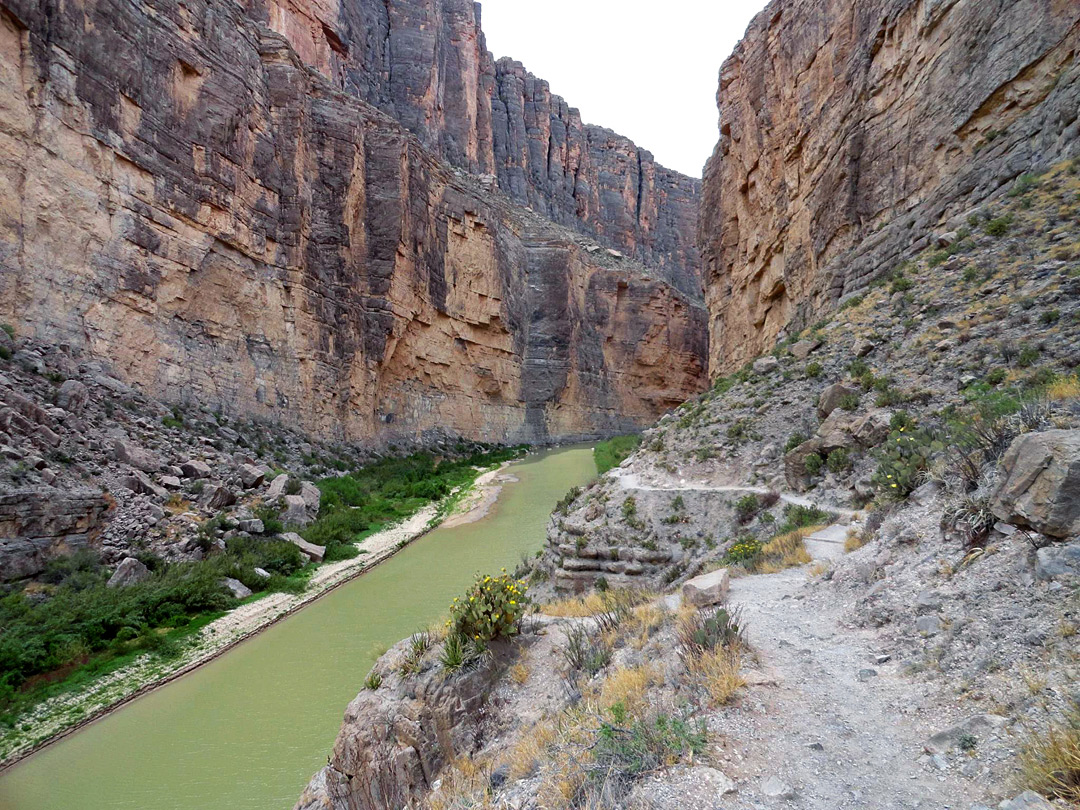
[
  {"x": 36, "y": 524},
  {"x": 1040, "y": 483},
  {"x": 188, "y": 199},
  {"x": 851, "y": 133}
]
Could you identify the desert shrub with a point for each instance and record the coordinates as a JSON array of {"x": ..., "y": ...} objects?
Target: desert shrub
[
  {"x": 813, "y": 463},
  {"x": 998, "y": 227},
  {"x": 492, "y": 608},
  {"x": 584, "y": 652},
  {"x": 971, "y": 517},
  {"x": 1050, "y": 316},
  {"x": 743, "y": 549},
  {"x": 814, "y": 369},
  {"x": 1024, "y": 183},
  {"x": 563, "y": 506},
  {"x": 373, "y": 680},
  {"x": 624, "y": 753},
  {"x": 849, "y": 402},
  {"x": 610, "y": 453},
  {"x": 839, "y": 461},
  {"x": 797, "y": 516},
  {"x": 701, "y": 632},
  {"x": 746, "y": 507},
  {"x": 1028, "y": 356},
  {"x": 996, "y": 376}
]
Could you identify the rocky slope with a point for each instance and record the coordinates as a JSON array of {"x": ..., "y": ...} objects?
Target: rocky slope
[
  {"x": 850, "y": 132},
  {"x": 187, "y": 200}
]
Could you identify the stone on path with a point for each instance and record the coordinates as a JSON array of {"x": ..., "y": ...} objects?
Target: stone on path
[
  {"x": 707, "y": 589},
  {"x": 1028, "y": 800},
  {"x": 978, "y": 725},
  {"x": 776, "y": 788}
]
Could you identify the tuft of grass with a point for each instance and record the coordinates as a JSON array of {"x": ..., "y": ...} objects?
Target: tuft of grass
[
  {"x": 1050, "y": 760},
  {"x": 519, "y": 673},
  {"x": 1064, "y": 388},
  {"x": 577, "y": 608}
]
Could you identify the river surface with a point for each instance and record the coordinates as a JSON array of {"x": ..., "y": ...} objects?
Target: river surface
[{"x": 247, "y": 730}]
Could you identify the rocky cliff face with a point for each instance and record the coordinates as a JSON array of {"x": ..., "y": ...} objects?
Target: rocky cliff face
[
  {"x": 425, "y": 62},
  {"x": 184, "y": 197},
  {"x": 849, "y": 132}
]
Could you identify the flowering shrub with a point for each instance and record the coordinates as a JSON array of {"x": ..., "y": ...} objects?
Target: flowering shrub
[
  {"x": 492, "y": 608},
  {"x": 744, "y": 549}
]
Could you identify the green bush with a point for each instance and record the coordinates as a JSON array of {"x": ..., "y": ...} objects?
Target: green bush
[
  {"x": 1028, "y": 356},
  {"x": 612, "y": 452},
  {"x": 849, "y": 402},
  {"x": 797, "y": 516},
  {"x": 794, "y": 440},
  {"x": 814, "y": 369},
  {"x": 744, "y": 549},
  {"x": 746, "y": 507},
  {"x": 839, "y": 461},
  {"x": 813, "y": 464},
  {"x": 998, "y": 227},
  {"x": 997, "y": 376}
]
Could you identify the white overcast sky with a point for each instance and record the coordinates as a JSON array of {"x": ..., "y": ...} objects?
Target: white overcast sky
[{"x": 647, "y": 70}]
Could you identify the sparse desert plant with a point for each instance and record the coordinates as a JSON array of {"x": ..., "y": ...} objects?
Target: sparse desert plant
[
  {"x": 839, "y": 461},
  {"x": 813, "y": 464},
  {"x": 373, "y": 680},
  {"x": 584, "y": 652},
  {"x": 814, "y": 369},
  {"x": 1050, "y": 761},
  {"x": 746, "y": 507},
  {"x": 492, "y": 608},
  {"x": 794, "y": 440}
]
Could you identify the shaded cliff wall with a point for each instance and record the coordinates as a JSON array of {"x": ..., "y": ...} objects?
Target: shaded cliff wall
[
  {"x": 181, "y": 196},
  {"x": 849, "y": 131},
  {"x": 425, "y": 62}
]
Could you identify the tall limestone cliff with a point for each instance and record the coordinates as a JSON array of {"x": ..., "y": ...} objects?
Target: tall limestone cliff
[
  {"x": 236, "y": 216},
  {"x": 425, "y": 62},
  {"x": 851, "y": 132}
]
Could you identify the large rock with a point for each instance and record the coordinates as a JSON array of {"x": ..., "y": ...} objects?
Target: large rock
[
  {"x": 848, "y": 130},
  {"x": 277, "y": 487},
  {"x": 1040, "y": 483},
  {"x": 129, "y": 572},
  {"x": 194, "y": 468},
  {"x": 250, "y": 476},
  {"x": 1028, "y": 800},
  {"x": 1058, "y": 561},
  {"x": 832, "y": 396},
  {"x": 296, "y": 512},
  {"x": 72, "y": 396},
  {"x": 138, "y": 457},
  {"x": 219, "y": 496},
  {"x": 237, "y": 588},
  {"x": 312, "y": 497},
  {"x": 707, "y": 589},
  {"x": 317, "y": 553}
]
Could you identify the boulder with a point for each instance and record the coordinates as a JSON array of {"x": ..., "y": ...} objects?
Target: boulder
[
  {"x": 193, "y": 468},
  {"x": 72, "y": 396},
  {"x": 312, "y": 498},
  {"x": 862, "y": 347},
  {"x": 296, "y": 511},
  {"x": 707, "y": 589},
  {"x": 1059, "y": 560},
  {"x": 978, "y": 725},
  {"x": 262, "y": 573},
  {"x": 250, "y": 476},
  {"x": 1040, "y": 483},
  {"x": 832, "y": 396},
  {"x": 277, "y": 487},
  {"x": 129, "y": 572},
  {"x": 46, "y": 436},
  {"x": 252, "y": 526},
  {"x": 765, "y": 365},
  {"x": 237, "y": 588},
  {"x": 220, "y": 496},
  {"x": 315, "y": 552},
  {"x": 140, "y": 482},
  {"x": 802, "y": 349},
  {"x": 128, "y": 453},
  {"x": 170, "y": 482}
]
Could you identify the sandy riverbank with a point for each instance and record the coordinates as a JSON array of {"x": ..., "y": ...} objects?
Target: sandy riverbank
[{"x": 479, "y": 500}]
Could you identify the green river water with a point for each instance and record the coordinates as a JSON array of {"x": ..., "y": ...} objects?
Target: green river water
[{"x": 247, "y": 730}]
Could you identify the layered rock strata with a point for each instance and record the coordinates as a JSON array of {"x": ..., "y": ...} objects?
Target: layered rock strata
[
  {"x": 851, "y": 132},
  {"x": 186, "y": 199}
]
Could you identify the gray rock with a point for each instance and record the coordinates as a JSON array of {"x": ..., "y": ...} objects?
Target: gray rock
[
  {"x": 252, "y": 526},
  {"x": 312, "y": 498},
  {"x": 315, "y": 552},
  {"x": 978, "y": 725},
  {"x": 193, "y": 468},
  {"x": 237, "y": 588},
  {"x": 140, "y": 482},
  {"x": 46, "y": 436},
  {"x": 1040, "y": 483},
  {"x": 862, "y": 347},
  {"x": 766, "y": 365},
  {"x": 928, "y": 625},
  {"x": 72, "y": 396},
  {"x": 1059, "y": 560},
  {"x": 220, "y": 496},
  {"x": 30, "y": 361},
  {"x": 1028, "y": 800},
  {"x": 927, "y": 602},
  {"x": 129, "y": 572},
  {"x": 832, "y": 396},
  {"x": 250, "y": 476},
  {"x": 277, "y": 487},
  {"x": 296, "y": 511},
  {"x": 776, "y": 788},
  {"x": 170, "y": 482},
  {"x": 802, "y": 349},
  {"x": 707, "y": 589},
  {"x": 137, "y": 457},
  {"x": 866, "y": 674},
  {"x": 262, "y": 572}
]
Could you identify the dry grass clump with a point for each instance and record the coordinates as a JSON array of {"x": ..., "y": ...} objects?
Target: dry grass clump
[
  {"x": 718, "y": 671},
  {"x": 854, "y": 541},
  {"x": 711, "y": 644},
  {"x": 1050, "y": 761},
  {"x": 783, "y": 551},
  {"x": 1064, "y": 388},
  {"x": 464, "y": 785},
  {"x": 576, "y": 607},
  {"x": 519, "y": 673},
  {"x": 627, "y": 686}
]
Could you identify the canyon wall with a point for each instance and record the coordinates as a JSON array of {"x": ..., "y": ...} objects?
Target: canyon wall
[
  {"x": 183, "y": 196},
  {"x": 425, "y": 62},
  {"x": 850, "y": 131}
]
